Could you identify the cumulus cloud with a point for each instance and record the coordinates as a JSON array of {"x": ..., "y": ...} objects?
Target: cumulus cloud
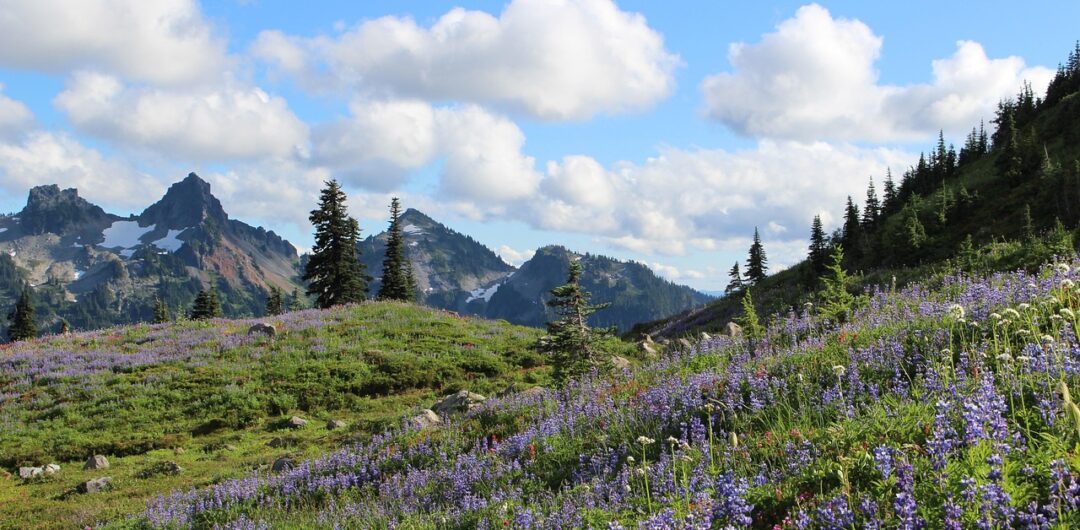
[
  {"x": 381, "y": 141},
  {"x": 49, "y": 158},
  {"x": 674, "y": 273},
  {"x": 228, "y": 122},
  {"x": 814, "y": 78},
  {"x": 570, "y": 59},
  {"x": 158, "y": 41},
  {"x": 514, "y": 257},
  {"x": 15, "y": 117}
]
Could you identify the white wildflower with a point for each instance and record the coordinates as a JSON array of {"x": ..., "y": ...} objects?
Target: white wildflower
[
  {"x": 956, "y": 311},
  {"x": 1005, "y": 358},
  {"x": 1067, "y": 284},
  {"x": 839, "y": 370},
  {"x": 1066, "y": 312},
  {"x": 672, "y": 440},
  {"x": 1012, "y": 313},
  {"x": 995, "y": 316},
  {"x": 1062, "y": 268},
  {"x": 1023, "y": 358},
  {"x": 1031, "y": 285},
  {"x": 645, "y": 440},
  {"x": 1024, "y": 306},
  {"x": 1023, "y": 332},
  {"x": 1047, "y": 339}
]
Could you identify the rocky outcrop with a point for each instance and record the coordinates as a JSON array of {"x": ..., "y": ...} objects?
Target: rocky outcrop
[
  {"x": 97, "y": 462},
  {"x": 457, "y": 403}
]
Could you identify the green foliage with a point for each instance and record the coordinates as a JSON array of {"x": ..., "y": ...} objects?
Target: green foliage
[
  {"x": 21, "y": 317},
  {"x": 398, "y": 282},
  {"x": 819, "y": 247},
  {"x": 835, "y": 302},
  {"x": 206, "y": 305},
  {"x": 334, "y": 272},
  {"x": 275, "y": 303},
  {"x": 161, "y": 312},
  {"x": 750, "y": 322},
  {"x": 735, "y": 282},
  {"x": 571, "y": 345},
  {"x": 757, "y": 262}
]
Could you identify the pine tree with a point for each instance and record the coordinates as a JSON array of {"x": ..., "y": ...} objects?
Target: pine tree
[
  {"x": 871, "y": 209},
  {"x": 756, "y": 263},
  {"x": 852, "y": 238},
  {"x": 161, "y": 312},
  {"x": 334, "y": 272},
  {"x": 23, "y": 326},
  {"x": 397, "y": 280},
  {"x": 295, "y": 303},
  {"x": 819, "y": 247},
  {"x": 572, "y": 346},
  {"x": 206, "y": 305},
  {"x": 65, "y": 327},
  {"x": 736, "y": 280},
  {"x": 275, "y": 303},
  {"x": 889, "y": 197},
  {"x": 750, "y": 322}
]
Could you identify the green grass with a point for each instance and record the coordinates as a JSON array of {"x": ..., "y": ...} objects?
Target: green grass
[{"x": 367, "y": 365}]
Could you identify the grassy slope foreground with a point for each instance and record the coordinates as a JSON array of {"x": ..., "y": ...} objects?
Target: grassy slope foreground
[
  {"x": 209, "y": 397},
  {"x": 940, "y": 406}
]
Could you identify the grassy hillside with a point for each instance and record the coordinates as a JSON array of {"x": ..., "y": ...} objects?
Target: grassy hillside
[
  {"x": 210, "y": 397},
  {"x": 946, "y": 404}
]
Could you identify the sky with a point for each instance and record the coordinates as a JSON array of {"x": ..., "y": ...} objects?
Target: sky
[{"x": 662, "y": 132}]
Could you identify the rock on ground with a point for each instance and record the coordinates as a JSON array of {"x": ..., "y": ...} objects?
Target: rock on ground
[
  {"x": 265, "y": 329},
  {"x": 96, "y": 485},
  {"x": 97, "y": 462},
  {"x": 427, "y": 418},
  {"x": 335, "y": 424},
  {"x": 457, "y": 403}
]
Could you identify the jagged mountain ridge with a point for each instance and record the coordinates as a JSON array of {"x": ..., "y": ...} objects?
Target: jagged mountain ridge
[
  {"x": 456, "y": 272},
  {"x": 96, "y": 269}
]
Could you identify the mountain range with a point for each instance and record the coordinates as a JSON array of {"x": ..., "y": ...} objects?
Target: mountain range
[{"x": 95, "y": 269}]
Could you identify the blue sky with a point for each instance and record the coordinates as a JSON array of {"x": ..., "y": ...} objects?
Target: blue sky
[{"x": 662, "y": 132}]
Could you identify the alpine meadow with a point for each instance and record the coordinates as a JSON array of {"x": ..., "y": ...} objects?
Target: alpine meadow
[{"x": 539, "y": 265}]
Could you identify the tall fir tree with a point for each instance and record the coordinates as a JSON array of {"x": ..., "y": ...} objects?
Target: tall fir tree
[
  {"x": 819, "y": 246},
  {"x": 834, "y": 300},
  {"x": 757, "y": 264},
  {"x": 890, "y": 199},
  {"x": 275, "y": 301},
  {"x": 871, "y": 208},
  {"x": 295, "y": 302},
  {"x": 853, "y": 237},
  {"x": 21, "y": 317},
  {"x": 334, "y": 272},
  {"x": 397, "y": 279},
  {"x": 206, "y": 305},
  {"x": 571, "y": 345},
  {"x": 735, "y": 280},
  {"x": 161, "y": 312},
  {"x": 65, "y": 327}
]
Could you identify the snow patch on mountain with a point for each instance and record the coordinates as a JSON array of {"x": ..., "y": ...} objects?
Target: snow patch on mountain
[
  {"x": 412, "y": 229},
  {"x": 170, "y": 242},
  {"x": 125, "y": 235}
]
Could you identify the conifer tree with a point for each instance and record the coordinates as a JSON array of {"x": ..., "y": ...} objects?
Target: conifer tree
[
  {"x": 871, "y": 209},
  {"x": 852, "y": 238},
  {"x": 819, "y": 247},
  {"x": 751, "y": 324},
  {"x": 23, "y": 326},
  {"x": 334, "y": 272},
  {"x": 275, "y": 302},
  {"x": 756, "y": 263},
  {"x": 206, "y": 305},
  {"x": 161, "y": 312},
  {"x": 889, "y": 197},
  {"x": 295, "y": 303},
  {"x": 735, "y": 282},
  {"x": 572, "y": 346},
  {"x": 65, "y": 327},
  {"x": 397, "y": 280}
]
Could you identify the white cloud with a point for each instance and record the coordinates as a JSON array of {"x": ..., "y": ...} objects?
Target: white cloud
[
  {"x": 229, "y": 122},
  {"x": 674, "y": 273},
  {"x": 381, "y": 141},
  {"x": 158, "y": 41},
  {"x": 568, "y": 59},
  {"x": 814, "y": 78},
  {"x": 48, "y": 158},
  {"x": 514, "y": 257},
  {"x": 15, "y": 117}
]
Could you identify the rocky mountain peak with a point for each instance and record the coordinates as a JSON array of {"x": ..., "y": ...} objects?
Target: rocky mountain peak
[
  {"x": 50, "y": 209},
  {"x": 187, "y": 203}
]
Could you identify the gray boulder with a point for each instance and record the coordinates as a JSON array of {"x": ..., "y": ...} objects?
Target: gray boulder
[
  {"x": 649, "y": 349},
  {"x": 620, "y": 363},
  {"x": 296, "y": 422},
  {"x": 27, "y": 473},
  {"x": 426, "y": 419},
  {"x": 456, "y": 403},
  {"x": 52, "y": 469},
  {"x": 685, "y": 344},
  {"x": 733, "y": 330},
  {"x": 705, "y": 336},
  {"x": 161, "y": 468},
  {"x": 97, "y": 462},
  {"x": 264, "y": 329},
  {"x": 96, "y": 485},
  {"x": 335, "y": 424},
  {"x": 282, "y": 464}
]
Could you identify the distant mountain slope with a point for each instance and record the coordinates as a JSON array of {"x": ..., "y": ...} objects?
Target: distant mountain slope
[
  {"x": 97, "y": 269},
  {"x": 456, "y": 272}
]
